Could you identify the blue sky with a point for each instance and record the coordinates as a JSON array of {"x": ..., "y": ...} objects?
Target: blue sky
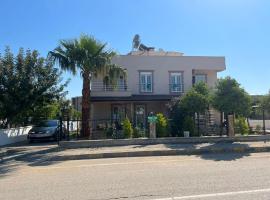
[{"x": 236, "y": 29}]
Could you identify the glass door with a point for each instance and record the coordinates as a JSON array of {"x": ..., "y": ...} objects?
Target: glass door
[
  {"x": 118, "y": 115},
  {"x": 140, "y": 116}
]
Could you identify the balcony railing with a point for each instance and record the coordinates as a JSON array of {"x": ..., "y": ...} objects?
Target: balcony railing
[
  {"x": 99, "y": 86},
  {"x": 176, "y": 88}
]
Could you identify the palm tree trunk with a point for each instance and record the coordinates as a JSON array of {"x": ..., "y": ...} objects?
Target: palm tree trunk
[{"x": 86, "y": 105}]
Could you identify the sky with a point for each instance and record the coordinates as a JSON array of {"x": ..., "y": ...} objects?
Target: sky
[{"x": 236, "y": 29}]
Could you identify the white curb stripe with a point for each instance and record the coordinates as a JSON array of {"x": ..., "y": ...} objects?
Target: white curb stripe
[{"x": 217, "y": 194}]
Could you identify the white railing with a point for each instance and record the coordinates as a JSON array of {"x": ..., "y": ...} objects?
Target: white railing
[
  {"x": 179, "y": 88},
  {"x": 99, "y": 86}
]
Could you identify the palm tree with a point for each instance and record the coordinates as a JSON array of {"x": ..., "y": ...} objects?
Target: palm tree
[{"x": 89, "y": 57}]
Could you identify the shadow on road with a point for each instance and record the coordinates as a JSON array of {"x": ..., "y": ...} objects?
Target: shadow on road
[
  {"x": 225, "y": 151},
  {"x": 36, "y": 154}
]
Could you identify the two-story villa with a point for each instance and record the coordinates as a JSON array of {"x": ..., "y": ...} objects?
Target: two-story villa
[{"x": 153, "y": 78}]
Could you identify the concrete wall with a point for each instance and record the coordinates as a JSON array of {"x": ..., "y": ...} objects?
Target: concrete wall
[
  {"x": 13, "y": 135},
  {"x": 162, "y": 65}
]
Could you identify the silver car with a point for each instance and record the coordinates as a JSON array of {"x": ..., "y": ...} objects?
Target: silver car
[{"x": 47, "y": 129}]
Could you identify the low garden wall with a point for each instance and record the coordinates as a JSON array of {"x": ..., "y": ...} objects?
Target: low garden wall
[
  {"x": 13, "y": 135},
  {"x": 149, "y": 141}
]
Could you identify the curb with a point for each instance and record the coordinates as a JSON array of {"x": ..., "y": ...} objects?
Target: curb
[
  {"x": 152, "y": 141},
  {"x": 170, "y": 152}
]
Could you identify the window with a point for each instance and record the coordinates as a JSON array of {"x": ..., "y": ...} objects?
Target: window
[
  {"x": 176, "y": 82},
  {"x": 200, "y": 78},
  {"x": 146, "y": 81},
  {"x": 121, "y": 85},
  {"x": 118, "y": 113}
]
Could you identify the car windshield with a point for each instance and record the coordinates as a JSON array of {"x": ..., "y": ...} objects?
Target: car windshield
[{"x": 47, "y": 123}]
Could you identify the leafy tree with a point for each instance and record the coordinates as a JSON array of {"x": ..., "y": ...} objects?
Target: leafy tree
[
  {"x": 241, "y": 126},
  {"x": 27, "y": 82},
  {"x": 127, "y": 128},
  {"x": 196, "y": 101},
  {"x": 177, "y": 115},
  {"x": 230, "y": 98},
  {"x": 188, "y": 125},
  {"x": 264, "y": 103},
  {"x": 90, "y": 58},
  {"x": 161, "y": 125}
]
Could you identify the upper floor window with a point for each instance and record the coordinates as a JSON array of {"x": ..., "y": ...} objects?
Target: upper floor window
[
  {"x": 176, "y": 80},
  {"x": 122, "y": 84},
  {"x": 200, "y": 78},
  {"x": 146, "y": 81}
]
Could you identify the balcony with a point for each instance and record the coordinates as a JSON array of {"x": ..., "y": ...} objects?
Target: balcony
[
  {"x": 176, "y": 88},
  {"x": 99, "y": 89}
]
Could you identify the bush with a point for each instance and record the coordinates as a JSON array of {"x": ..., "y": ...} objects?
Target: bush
[
  {"x": 161, "y": 125},
  {"x": 137, "y": 133},
  {"x": 118, "y": 134},
  {"x": 258, "y": 129},
  {"x": 127, "y": 128},
  {"x": 188, "y": 125},
  {"x": 241, "y": 126},
  {"x": 109, "y": 132}
]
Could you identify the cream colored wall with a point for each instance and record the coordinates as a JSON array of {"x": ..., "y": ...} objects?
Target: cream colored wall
[
  {"x": 211, "y": 76},
  {"x": 101, "y": 110},
  {"x": 161, "y": 65}
]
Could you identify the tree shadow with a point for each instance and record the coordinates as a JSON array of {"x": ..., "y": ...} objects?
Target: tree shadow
[
  {"x": 218, "y": 151},
  {"x": 34, "y": 158},
  {"x": 225, "y": 151}
]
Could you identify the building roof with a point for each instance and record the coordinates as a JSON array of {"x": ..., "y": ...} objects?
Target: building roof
[{"x": 134, "y": 98}]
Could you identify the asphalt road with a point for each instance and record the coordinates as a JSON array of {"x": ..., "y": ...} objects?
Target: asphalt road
[{"x": 217, "y": 176}]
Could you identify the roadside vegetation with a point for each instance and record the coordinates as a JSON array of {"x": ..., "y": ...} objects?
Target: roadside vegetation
[
  {"x": 88, "y": 57},
  {"x": 31, "y": 88}
]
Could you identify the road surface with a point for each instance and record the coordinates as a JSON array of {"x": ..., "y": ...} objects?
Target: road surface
[{"x": 212, "y": 177}]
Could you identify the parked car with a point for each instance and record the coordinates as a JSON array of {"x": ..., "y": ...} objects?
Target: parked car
[{"x": 46, "y": 130}]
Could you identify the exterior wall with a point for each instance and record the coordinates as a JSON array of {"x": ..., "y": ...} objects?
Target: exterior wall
[
  {"x": 161, "y": 65},
  {"x": 211, "y": 77},
  {"x": 102, "y": 110},
  {"x": 13, "y": 135}
]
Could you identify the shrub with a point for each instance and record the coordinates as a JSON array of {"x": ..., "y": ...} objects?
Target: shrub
[
  {"x": 137, "y": 133},
  {"x": 241, "y": 126},
  {"x": 258, "y": 129},
  {"x": 161, "y": 125},
  {"x": 109, "y": 132},
  {"x": 188, "y": 125},
  {"x": 117, "y": 134},
  {"x": 127, "y": 128}
]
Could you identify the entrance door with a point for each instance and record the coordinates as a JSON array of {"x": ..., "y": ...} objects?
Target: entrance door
[
  {"x": 140, "y": 116},
  {"x": 118, "y": 114}
]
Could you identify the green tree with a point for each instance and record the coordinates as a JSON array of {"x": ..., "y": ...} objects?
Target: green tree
[
  {"x": 27, "y": 82},
  {"x": 188, "y": 125},
  {"x": 196, "y": 100},
  {"x": 162, "y": 125},
  {"x": 90, "y": 58},
  {"x": 177, "y": 115},
  {"x": 241, "y": 126},
  {"x": 127, "y": 128},
  {"x": 230, "y": 98}
]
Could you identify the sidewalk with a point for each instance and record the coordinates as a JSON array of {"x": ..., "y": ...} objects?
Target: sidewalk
[{"x": 55, "y": 153}]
